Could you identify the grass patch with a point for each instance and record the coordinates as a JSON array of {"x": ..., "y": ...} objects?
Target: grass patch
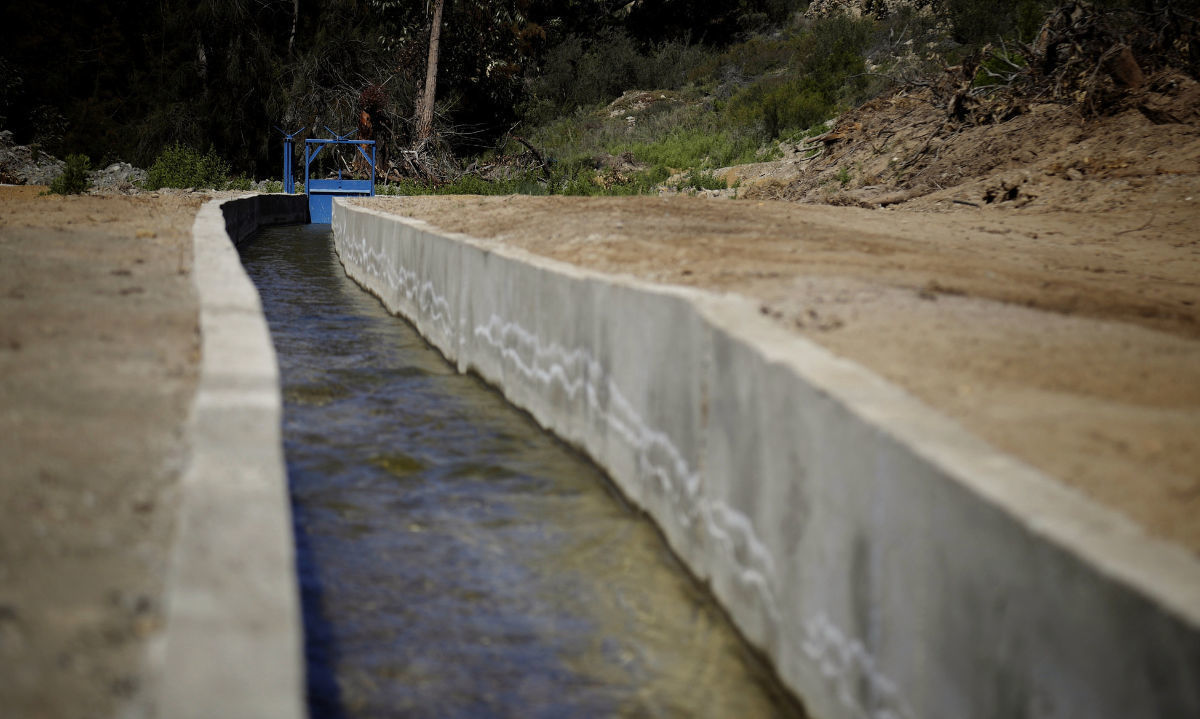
[
  {"x": 466, "y": 185},
  {"x": 697, "y": 148}
]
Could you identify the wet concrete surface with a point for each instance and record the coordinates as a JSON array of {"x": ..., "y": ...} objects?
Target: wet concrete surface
[{"x": 455, "y": 559}]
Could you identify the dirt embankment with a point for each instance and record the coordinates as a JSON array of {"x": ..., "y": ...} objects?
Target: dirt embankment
[
  {"x": 98, "y": 358},
  {"x": 1071, "y": 340},
  {"x": 907, "y": 149}
]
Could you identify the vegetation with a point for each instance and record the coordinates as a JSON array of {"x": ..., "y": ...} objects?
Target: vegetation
[
  {"x": 824, "y": 67},
  {"x": 128, "y": 80},
  {"x": 701, "y": 181},
  {"x": 714, "y": 108},
  {"x": 183, "y": 167},
  {"x": 554, "y": 96},
  {"x": 74, "y": 179}
]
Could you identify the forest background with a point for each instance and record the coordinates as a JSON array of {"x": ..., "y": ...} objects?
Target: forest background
[{"x": 127, "y": 81}]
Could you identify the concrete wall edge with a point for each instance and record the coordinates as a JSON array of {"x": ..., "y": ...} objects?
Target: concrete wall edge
[
  {"x": 1136, "y": 578},
  {"x": 233, "y": 641}
]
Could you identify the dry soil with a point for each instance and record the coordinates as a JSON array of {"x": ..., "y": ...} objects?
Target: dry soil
[
  {"x": 98, "y": 362},
  {"x": 1069, "y": 339}
]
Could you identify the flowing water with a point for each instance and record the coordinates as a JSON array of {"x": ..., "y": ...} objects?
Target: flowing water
[{"x": 456, "y": 560}]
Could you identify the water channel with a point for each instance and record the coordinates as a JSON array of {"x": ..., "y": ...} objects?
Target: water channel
[{"x": 456, "y": 560}]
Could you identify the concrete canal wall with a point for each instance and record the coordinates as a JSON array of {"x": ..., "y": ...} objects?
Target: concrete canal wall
[
  {"x": 890, "y": 564},
  {"x": 233, "y": 641}
]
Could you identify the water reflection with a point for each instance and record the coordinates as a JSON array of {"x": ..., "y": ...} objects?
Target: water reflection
[{"x": 455, "y": 560}]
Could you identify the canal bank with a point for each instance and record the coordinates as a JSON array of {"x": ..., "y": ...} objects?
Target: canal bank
[
  {"x": 232, "y": 641},
  {"x": 889, "y": 562},
  {"x": 98, "y": 368}
]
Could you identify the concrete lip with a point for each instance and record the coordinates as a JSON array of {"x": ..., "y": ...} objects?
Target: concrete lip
[
  {"x": 887, "y": 561},
  {"x": 233, "y": 641}
]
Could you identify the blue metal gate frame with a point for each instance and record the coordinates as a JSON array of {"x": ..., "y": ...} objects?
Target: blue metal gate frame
[
  {"x": 321, "y": 192},
  {"x": 289, "y": 149}
]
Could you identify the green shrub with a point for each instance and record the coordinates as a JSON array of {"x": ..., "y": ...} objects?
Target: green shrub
[
  {"x": 978, "y": 21},
  {"x": 273, "y": 186},
  {"x": 750, "y": 58},
  {"x": 74, "y": 178},
  {"x": 240, "y": 183},
  {"x": 581, "y": 73},
  {"x": 828, "y": 66},
  {"x": 183, "y": 167},
  {"x": 702, "y": 181},
  {"x": 778, "y": 105}
]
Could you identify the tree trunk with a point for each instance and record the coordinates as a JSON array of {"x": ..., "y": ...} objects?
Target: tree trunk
[
  {"x": 425, "y": 106},
  {"x": 295, "y": 17}
]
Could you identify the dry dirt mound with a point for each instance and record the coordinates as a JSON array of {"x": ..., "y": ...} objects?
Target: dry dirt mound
[
  {"x": 1091, "y": 112},
  {"x": 906, "y": 146}
]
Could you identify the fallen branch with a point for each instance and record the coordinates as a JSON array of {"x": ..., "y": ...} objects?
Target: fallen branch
[{"x": 536, "y": 155}]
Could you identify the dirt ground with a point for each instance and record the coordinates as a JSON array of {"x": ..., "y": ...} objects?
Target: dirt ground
[
  {"x": 906, "y": 149},
  {"x": 98, "y": 362},
  {"x": 1068, "y": 339}
]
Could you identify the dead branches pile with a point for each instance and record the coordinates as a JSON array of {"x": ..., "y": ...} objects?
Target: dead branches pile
[{"x": 1082, "y": 55}]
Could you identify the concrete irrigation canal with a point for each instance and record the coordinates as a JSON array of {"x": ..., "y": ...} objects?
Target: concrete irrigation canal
[{"x": 455, "y": 559}]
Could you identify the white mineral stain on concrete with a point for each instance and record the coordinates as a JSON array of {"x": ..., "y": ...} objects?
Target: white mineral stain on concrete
[{"x": 882, "y": 603}]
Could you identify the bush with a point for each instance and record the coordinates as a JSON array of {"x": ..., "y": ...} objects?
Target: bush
[
  {"x": 183, "y": 167},
  {"x": 578, "y": 73},
  {"x": 979, "y": 21},
  {"x": 778, "y": 105},
  {"x": 74, "y": 178},
  {"x": 828, "y": 66},
  {"x": 702, "y": 181}
]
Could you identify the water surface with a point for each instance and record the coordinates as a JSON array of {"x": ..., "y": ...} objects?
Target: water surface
[{"x": 455, "y": 559}]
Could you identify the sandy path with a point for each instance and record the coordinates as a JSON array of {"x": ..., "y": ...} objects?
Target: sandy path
[
  {"x": 1070, "y": 340},
  {"x": 98, "y": 356}
]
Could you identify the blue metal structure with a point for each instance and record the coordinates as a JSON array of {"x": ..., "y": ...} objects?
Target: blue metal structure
[
  {"x": 321, "y": 192},
  {"x": 289, "y": 151}
]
